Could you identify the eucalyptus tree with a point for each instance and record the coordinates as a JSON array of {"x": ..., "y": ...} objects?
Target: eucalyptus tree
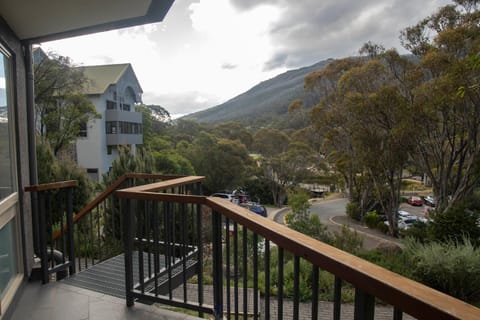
[
  {"x": 61, "y": 108},
  {"x": 448, "y": 102}
]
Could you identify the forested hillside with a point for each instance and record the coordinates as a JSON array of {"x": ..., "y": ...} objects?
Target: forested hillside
[{"x": 265, "y": 103}]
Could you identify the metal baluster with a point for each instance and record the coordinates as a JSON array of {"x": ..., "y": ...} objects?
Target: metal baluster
[
  {"x": 245, "y": 272},
  {"x": 200, "y": 257},
  {"x": 217, "y": 265},
  {"x": 71, "y": 244},
  {"x": 184, "y": 250},
  {"x": 227, "y": 271},
  {"x": 315, "y": 278},
  {"x": 280, "y": 283},
  {"x": 156, "y": 244},
  {"x": 140, "y": 245},
  {"x": 337, "y": 298},
  {"x": 255, "y": 276},
  {"x": 267, "y": 279},
  {"x": 235, "y": 267},
  {"x": 296, "y": 287},
  {"x": 128, "y": 210},
  {"x": 364, "y": 305}
]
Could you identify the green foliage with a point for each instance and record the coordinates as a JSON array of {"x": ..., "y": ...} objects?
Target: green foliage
[
  {"x": 451, "y": 267},
  {"x": 127, "y": 162},
  {"x": 301, "y": 220},
  {"x": 353, "y": 211},
  {"x": 347, "y": 240},
  {"x": 259, "y": 190},
  {"x": 372, "y": 219},
  {"x": 223, "y": 162},
  {"x": 52, "y": 170},
  {"x": 61, "y": 107},
  {"x": 172, "y": 163},
  {"x": 392, "y": 259},
  {"x": 456, "y": 223}
]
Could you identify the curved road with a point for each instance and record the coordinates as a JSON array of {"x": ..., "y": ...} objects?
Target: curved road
[{"x": 326, "y": 210}]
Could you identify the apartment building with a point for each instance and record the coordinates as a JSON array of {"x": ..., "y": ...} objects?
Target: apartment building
[{"x": 114, "y": 90}]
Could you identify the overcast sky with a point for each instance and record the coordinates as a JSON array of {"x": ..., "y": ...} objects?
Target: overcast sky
[{"x": 208, "y": 51}]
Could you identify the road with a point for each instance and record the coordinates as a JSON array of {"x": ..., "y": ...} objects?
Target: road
[{"x": 327, "y": 210}]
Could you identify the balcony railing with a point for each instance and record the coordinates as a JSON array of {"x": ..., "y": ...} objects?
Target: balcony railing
[
  {"x": 68, "y": 242},
  {"x": 241, "y": 256},
  {"x": 55, "y": 209}
]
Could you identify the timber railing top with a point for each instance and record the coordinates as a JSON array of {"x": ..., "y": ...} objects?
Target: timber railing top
[
  {"x": 410, "y": 296},
  {"x": 52, "y": 186},
  {"x": 103, "y": 195}
]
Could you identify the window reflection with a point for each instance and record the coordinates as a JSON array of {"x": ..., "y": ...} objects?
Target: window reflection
[{"x": 6, "y": 170}]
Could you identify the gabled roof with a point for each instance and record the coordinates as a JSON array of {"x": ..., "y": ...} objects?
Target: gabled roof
[
  {"x": 102, "y": 76},
  {"x": 44, "y": 20}
]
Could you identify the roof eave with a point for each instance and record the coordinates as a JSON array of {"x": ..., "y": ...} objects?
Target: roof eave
[{"x": 156, "y": 13}]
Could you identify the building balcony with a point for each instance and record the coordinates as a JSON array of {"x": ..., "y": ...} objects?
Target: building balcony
[
  {"x": 119, "y": 139},
  {"x": 125, "y": 116},
  {"x": 164, "y": 244}
]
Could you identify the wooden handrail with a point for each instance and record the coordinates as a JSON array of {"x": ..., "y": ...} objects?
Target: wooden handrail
[
  {"x": 110, "y": 190},
  {"x": 410, "y": 296},
  {"x": 51, "y": 186}
]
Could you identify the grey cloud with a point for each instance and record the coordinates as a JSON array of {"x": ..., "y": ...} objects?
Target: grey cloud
[
  {"x": 228, "y": 66},
  {"x": 181, "y": 103},
  {"x": 312, "y": 30}
]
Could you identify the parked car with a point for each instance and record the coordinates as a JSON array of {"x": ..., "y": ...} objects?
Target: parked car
[
  {"x": 430, "y": 200},
  {"x": 256, "y": 208},
  {"x": 226, "y": 196},
  {"x": 415, "y": 201}
]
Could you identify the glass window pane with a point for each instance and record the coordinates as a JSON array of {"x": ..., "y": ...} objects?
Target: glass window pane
[
  {"x": 6, "y": 170},
  {"x": 8, "y": 255}
]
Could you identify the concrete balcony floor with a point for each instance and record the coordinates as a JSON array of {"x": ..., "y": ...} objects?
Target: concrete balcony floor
[{"x": 58, "y": 301}]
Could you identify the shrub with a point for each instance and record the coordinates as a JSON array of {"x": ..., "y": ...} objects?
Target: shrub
[
  {"x": 372, "y": 219},
  {"x": 348, "y": 240},
  {"x": 382, "y": 226},
  {"x": 456, "y": 223},
  {"x": 354, "y": 211},
  {"x": 451, "y": 267}
]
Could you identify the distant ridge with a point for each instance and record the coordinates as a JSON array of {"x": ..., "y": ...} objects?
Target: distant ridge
[{"x": 263, "y": 102}]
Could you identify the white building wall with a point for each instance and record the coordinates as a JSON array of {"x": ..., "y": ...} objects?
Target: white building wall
[{"x": 92, "y": 151}]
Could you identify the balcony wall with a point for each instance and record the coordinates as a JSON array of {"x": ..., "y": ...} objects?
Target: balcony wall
[
  {"x": 127, "y": 116},
  {"x": 123, "y": 139}
]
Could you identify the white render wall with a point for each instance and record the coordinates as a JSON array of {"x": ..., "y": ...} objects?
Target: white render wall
[{"x": 92, "y": 150}]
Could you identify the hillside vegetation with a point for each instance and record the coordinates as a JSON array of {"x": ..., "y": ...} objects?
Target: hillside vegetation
[{"x": 265, "y": 103}]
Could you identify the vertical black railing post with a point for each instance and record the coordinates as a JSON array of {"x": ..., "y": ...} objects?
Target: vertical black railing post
[
  {"x": 127, "y": 211},
  {"x": 217, "y": 266},
  {"x": 364, "y": 305},
  {"x": 43, "y": 237},
  {"x": 200, "y": 256},
  {"x": 337, "y": 298},
  {"x": 267, "y": 279},
  {"x": 71, "y": 243},
  {"x": 280, "y": 283},
  {"x": 296, "y": 287}
]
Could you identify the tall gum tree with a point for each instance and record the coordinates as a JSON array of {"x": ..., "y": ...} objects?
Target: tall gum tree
[{"x": 448, "y": 101}]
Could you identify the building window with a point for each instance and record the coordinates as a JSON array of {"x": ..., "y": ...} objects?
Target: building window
[
  {"x": 125, "y": 107},
  {"x": 10, "y": 252},
  {"x": 82, "y": 132},
  {"x": 111, "y": 127},
  {"x": 110, "y": 149},
  {"x": 111, "y": 105},
  {"x": 93, "y": 173}
]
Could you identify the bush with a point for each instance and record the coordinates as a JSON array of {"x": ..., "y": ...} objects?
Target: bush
[
  {"x": 348, "y": 240},
  {"x": 457, "y": 223},
  {"x": 354, "y": 211},
  {"x": 382, "y": 226},
  {"x": 372, "y": 219},
  {"x": 451, "y": 267}
]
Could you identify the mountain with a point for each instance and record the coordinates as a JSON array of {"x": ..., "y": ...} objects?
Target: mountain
[{"x": 265, "y": 102}]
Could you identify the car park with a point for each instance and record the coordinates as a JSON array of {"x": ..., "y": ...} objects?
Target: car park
[{"x": 415, "y": 201}]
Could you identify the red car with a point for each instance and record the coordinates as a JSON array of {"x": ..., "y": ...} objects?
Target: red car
[{"x": 415, "y": 201}]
